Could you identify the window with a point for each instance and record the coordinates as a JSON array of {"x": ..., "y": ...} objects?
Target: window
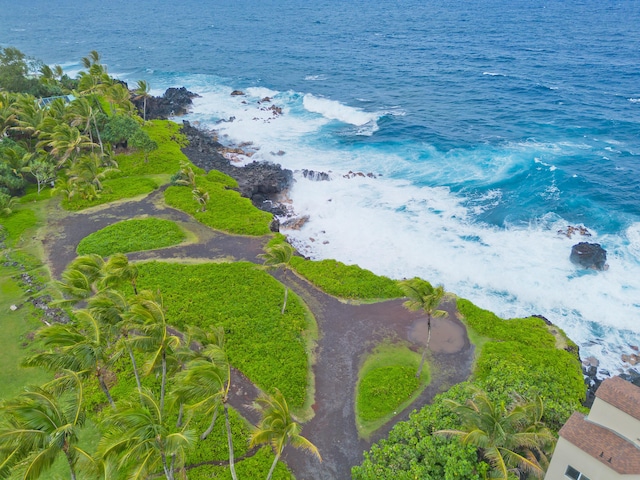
[{"x": 574, "y": 474}]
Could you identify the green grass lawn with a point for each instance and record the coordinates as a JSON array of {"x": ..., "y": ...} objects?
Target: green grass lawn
[
  {"x": 16, "y": 326},
  {"x": 226, "y": 209},
  {"x": 387, "y": 384},
  {"x": 268, "y": 347},
  {"x": 132, "y": 236}
]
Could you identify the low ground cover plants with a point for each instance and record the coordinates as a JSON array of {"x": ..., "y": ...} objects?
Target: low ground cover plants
[
  {"x": 225, "y": 208},
  {"x": 270, "y": 348},
  {"x": 132, "y": 236},
  {"x": 387, "y": 383}
]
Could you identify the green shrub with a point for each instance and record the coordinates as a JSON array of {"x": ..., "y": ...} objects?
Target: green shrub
[
  {"x": 265, "y": 345},
  {"x": 165, "y": 159},
  {"x": 411, "y": 452},
  {"x": 114, "y": 189},
  {"x": 225, "y": 210},
  {"x": 529, "y": 331},
  {"x": 346, "y": 281},
  {"x": 506, "y": 367},
  {"x": 132, "y": 236}
]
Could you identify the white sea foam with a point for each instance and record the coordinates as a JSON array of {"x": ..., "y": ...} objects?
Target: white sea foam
[
  {"x": 312, "y": 78},
  {"x": 400, "y": 229},
  {"x": 338, "y": 111},
  {"x": 634, "y": 100}
]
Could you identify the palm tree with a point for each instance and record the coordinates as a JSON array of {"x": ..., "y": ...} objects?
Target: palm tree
[
  {"x": 279, "y": 256},
  {"x": 7, "y": 112},
  {"x": 27, "y": 121},
  {"x": 111, "y": 308},
  {"x": 423, "y": 296},
  {"x": 205, "y": 380},
  {"x": 142, "y": 92},
  {"x": 92, "y": 59},
  {"x": 139, "y": 440},
  {"x": 67, "y": 143},
  {"x": 118, "y": 270},
  {"x": 82, "y": 346},
  {"x": 201, "y": 196},
  {"x": 88, "y": 170},
  {"x": 81, "y": 279},
  {"x": 153, "y": 335},
  {"x": 41, "y": 424},
  {"x": 82, "y": 114},
  {"x": 278, "y": 428},
  {"x": 90, "y": 274},
  {"x": 512, "y": 438}
]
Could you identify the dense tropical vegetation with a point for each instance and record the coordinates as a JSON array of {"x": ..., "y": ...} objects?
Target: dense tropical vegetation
[{"x": 136, "y": 383}]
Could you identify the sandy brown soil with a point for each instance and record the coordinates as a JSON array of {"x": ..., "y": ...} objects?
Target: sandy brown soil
[{"x": 347, "y": 332}]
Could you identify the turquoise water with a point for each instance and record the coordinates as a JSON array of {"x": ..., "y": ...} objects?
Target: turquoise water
[{"x": 488, "y": 125}]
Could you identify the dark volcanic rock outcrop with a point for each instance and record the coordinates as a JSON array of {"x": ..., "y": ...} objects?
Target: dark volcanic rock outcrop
[
  {"x": 589, "y": 255},
  {"x": 263, "y": 183},
  {"x": 175, "y": 101}
]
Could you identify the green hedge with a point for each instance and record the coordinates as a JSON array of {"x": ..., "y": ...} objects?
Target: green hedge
[
  {"x": 346, "y": 281},
  {"x": 265, "y": 345},
  {"x": 132, "y": 236},
  {"x": 226, "y": 210}
]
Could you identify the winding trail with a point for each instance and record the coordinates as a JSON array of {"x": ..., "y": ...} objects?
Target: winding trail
[{"x": 347, "y": 332}]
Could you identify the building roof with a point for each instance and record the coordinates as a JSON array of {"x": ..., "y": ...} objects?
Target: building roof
[
  {"x": 621, "y": 394},
  {"x": 611, "y": 449}
]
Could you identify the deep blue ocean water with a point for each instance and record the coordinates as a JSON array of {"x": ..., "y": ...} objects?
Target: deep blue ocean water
[{"x": 489, "y": 126}]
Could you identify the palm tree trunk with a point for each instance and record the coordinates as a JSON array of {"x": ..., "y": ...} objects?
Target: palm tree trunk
[
  {"x": 95, "y": 124},
  {"x": 135, "y": 368},
  {"x": 273, "y": 466},
  {"x": 232, "y": 465},
  {"x": 167, "y": 471},
  {"x": 164, "y": 380},
  {"x": 71, "y": 467},
  {"x": 286, "y": 294},
  {"x": 426, "y": 348},
  {"x": 210, "y": 428},
  {"x": 105, "y": 389},
  {"x": 180, "y": 415}
]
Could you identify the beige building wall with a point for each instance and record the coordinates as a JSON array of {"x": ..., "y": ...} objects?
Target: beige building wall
[
  {"x": 617, "y": 420},
  {"x": 568, "y": 454}
]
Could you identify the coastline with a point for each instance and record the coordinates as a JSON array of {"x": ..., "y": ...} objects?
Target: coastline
[{"x": 267, "y": 185}]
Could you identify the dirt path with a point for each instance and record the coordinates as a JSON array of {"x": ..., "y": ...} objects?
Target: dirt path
[{"x": 347, "y": 332}]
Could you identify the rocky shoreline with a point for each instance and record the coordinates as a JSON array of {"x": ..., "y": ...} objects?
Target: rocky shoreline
[{"x": 267, "y": 184}]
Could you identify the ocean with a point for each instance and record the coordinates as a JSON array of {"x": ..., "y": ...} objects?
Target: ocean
[{"x": 486, "y": 127}]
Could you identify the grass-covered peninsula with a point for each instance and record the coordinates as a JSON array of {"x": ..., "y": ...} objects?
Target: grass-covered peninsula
[{"x": 155, "y": 326}]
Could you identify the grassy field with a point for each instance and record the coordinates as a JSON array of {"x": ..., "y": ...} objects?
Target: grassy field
[
  {"x": 132, "y": 236},
  {"x": 270, "y": 348},
  {"x": 387, "y": 384}
]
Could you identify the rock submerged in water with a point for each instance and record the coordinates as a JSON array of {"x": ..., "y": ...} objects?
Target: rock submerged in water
[{"x": 589, "y": 255}]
